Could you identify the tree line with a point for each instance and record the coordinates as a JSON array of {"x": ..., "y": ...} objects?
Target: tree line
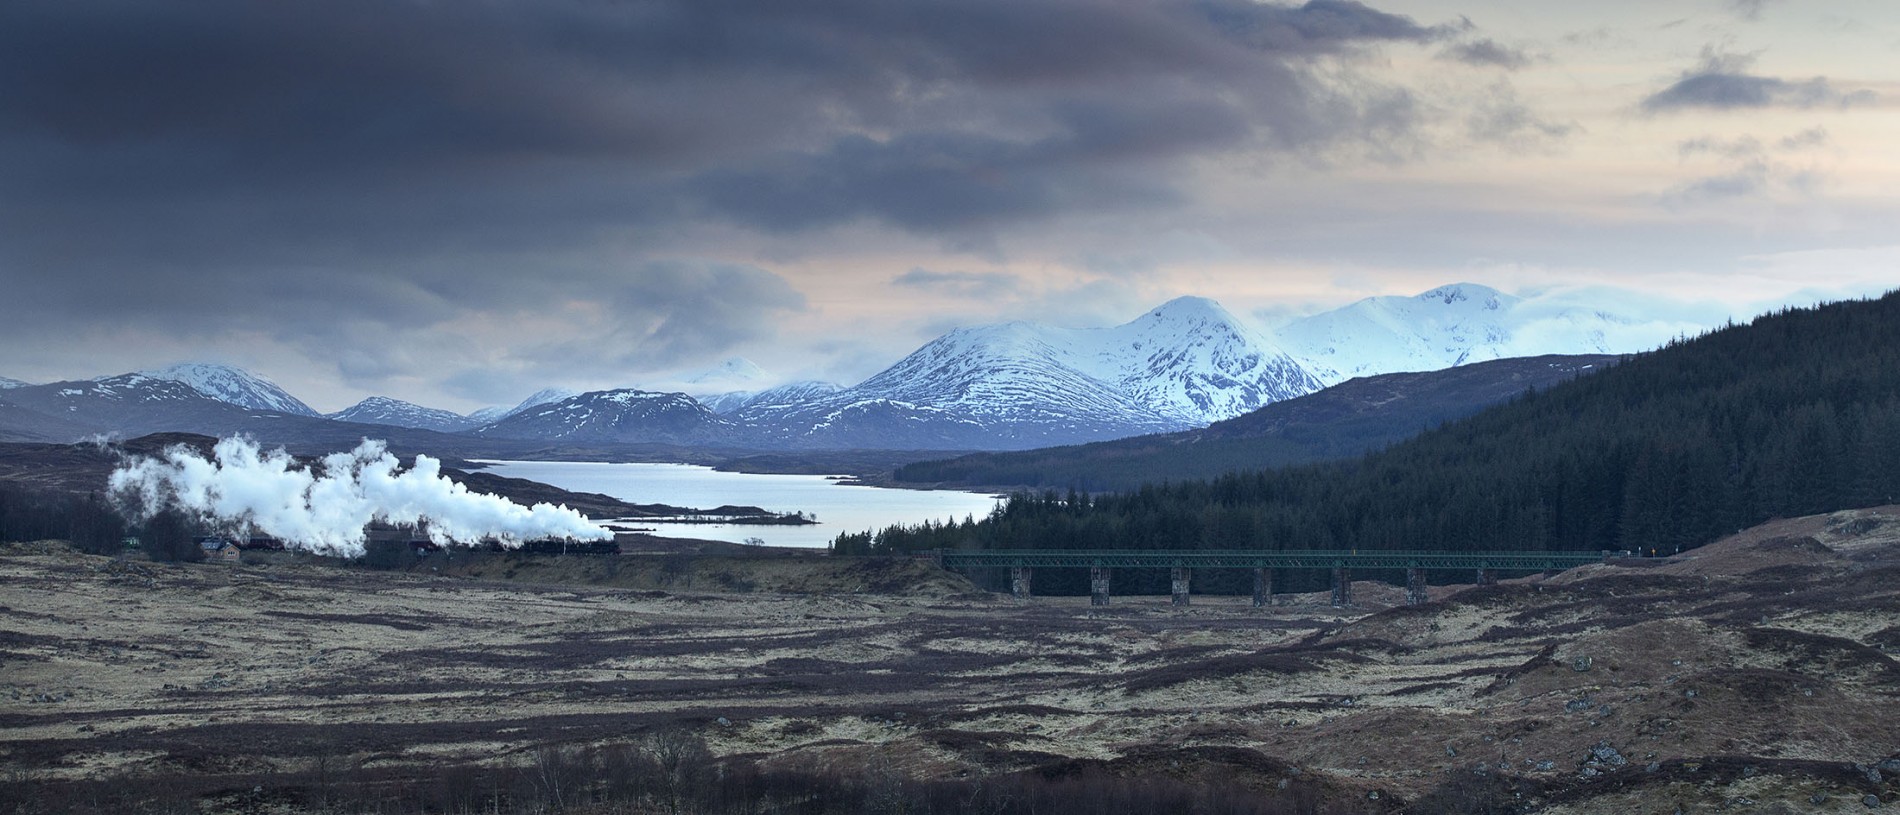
[
  {"x": 92, "y": 524},
  {"x": 1794, "y": 414}
]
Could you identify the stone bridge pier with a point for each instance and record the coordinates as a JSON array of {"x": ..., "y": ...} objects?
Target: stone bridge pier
[
  {"x": 1262, "y": 588},
  {"x": 1179, "y": 581},
  {"x": 1342, "y": 586},
  {"x": 1098, "y": 585},
  {"x": 1415, "y": 587},
  {"x": 1019, "y": 582}
]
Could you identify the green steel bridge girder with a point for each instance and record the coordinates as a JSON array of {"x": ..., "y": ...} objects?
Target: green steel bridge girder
[{"x": 1288, "y": 559}]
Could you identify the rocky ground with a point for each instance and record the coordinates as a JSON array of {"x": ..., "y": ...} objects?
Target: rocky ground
[{"x": 1755, "y": 675}]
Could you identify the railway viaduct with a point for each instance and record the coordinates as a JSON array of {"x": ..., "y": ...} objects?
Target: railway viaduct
[{"x": 1486, "y": 565}]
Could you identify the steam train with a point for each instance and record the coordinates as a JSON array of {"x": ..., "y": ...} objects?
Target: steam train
[{"x": 563, "y": 547}]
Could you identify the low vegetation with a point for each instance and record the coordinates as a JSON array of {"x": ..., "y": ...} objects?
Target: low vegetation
[{"x": 1758, "y": 674}]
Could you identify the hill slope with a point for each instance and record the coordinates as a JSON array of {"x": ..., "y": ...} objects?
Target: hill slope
[
  {"x": 234, "y": 386},
  {"x": 614, "y": 416},
  {"x": 1345, "y": 420},
  {"x": 398, "y": 413},
  {"x": 1459, "y": 324},
  {"x": 1795, "y": 414},
  {"x": 1020, "y": 385}
]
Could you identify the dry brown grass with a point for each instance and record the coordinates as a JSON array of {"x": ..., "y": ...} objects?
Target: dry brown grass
[{"x": 1769, "y": 650}]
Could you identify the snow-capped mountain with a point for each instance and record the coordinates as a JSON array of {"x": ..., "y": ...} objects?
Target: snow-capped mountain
[
  {"x": 398, "y": 413},
  {"x": 490, "y": 415},
  {"x": 122, "y": 389},
  {"x": 873, "y": 423},
  {"x": 616, "y": 416},
  {"x": 1188, "y": 362},
  {"x": 544, "y": 396},
  {"x": 234, "y": 386},
  {"x": 1015, "y": 374},
  {"x": 728, "y": 386},
  {"x": 6, "y": 383},
  {"x": 127, "y": 403},
  {"x": 789, "y": 394},
  {"x": 1195, "y": 363},
  {"x": 723, "y": 403},
  {"x": 1184, "y": 364},
  {"x": 779, "y": 398},
  {"x": 1455, "y": 325}
]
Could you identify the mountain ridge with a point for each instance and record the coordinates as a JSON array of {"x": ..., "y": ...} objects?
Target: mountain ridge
[
  {"x": 1348, "y": 419},
  {"x": 1796, "y": 413},
  {"x": 234, "y": 386},
  {"x": 1184, "y": 364},
  {"x": 398, "y": 413},
  {"x": 1448, "y": 326}
]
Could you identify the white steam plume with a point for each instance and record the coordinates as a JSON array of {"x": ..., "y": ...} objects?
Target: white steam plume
[{"x": 326, "y": 512}]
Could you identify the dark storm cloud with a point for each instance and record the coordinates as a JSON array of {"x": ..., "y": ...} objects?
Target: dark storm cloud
[
  {"x": 1488, "y": 53},
  {"x": 1317, "y": 26},
  {"x": 238, "y": 99},
  {"x": 1720, "y": 82},
  {"x": 659, "y": 314},
  {"x": 297, "y": 166}
]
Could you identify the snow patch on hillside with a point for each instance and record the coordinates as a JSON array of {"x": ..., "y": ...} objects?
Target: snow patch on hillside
[
  {"x": 234, "y": 386},
  {"x": 1461, "y": 324},
  {"x": 398, "y": 413}
]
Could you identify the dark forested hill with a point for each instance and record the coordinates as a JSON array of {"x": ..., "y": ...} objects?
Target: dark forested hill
[
  {"x": 1795, "y": 414},
  {"x": 1342, "y": 421}
]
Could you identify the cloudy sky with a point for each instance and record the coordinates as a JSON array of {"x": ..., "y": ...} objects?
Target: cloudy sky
[{"x": 458, "y": 203}]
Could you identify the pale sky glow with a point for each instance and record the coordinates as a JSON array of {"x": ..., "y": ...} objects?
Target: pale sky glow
[{"x": 480, "y": 201}]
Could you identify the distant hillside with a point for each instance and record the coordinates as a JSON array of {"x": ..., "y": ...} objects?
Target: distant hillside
[
  {"x": 1795, "y": 414},
  {"x": 1460, "y": 324},
  {"x": 1002, "y": 387},
  {"x": 1342, "y": 421},
  {"x": 398, "y": 413},
  {"x": 615, "y": 417},
  {"x": 234, "y": 386},
  {"x": 133, "y": 405},
  {"x": 21, "y": 424}
]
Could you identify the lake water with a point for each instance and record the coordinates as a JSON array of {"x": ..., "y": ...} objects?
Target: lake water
[{"x": 838, "y": 507}]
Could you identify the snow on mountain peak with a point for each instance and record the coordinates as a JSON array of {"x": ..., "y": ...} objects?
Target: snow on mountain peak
[
  {"x": 1187, "y": 309},
  {"x": 1451, "y": 325},
  {"x": 233, "y": 386},
  {"x": 398, "y": 413},
  {"x": 488, "y": 414},
  {"x": 543, "y": 396},
  {"x": 1484, "y": 297},
  {"x": 623, "y": 414},
  {"x": 6, "y": 383},
  {"x": 1185, "y": 363}
]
